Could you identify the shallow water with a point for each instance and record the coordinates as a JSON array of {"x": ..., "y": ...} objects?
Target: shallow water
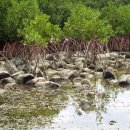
[
  {"x": 111, "y": 112},
  {"x": 66, "y": 109}
]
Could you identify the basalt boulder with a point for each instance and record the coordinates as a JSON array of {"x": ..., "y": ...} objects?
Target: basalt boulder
[
  {"x": 24, "y": 78},
  {"x": 108, "y": 75},
  {"x": 4, "y": 74}
]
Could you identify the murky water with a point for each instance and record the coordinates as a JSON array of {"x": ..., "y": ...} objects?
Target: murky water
[{"x": 111, "y": 112}]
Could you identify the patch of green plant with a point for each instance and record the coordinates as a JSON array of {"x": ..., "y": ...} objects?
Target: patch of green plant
[{"x": 67, "y": 87}]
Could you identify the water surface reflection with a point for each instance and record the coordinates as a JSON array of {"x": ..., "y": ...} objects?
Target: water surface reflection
[{"x": 107, "y": 112}]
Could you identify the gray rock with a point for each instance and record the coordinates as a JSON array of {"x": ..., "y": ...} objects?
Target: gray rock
[
  {"x": 99, "y": 68},
  {"x": 2, "y": 68},
  {"x": 11, "y": 86},
  {"x": 60, "y": 80},
  {"x": 35, "y": 80},
  {"x": 86, "y": 82},
  {"x": 92, "y": 67},
  {"x": 79, "y": 62},
  {"x": 2, "y": 92},
  {"x": 128, "y": 80},
  {"x": 61, "y": 64},
  {"x": 115, "y": 81},
  {"x": 47, "y": 85},
  {"x": 69, "y": 74},
  {"x": 24, "y": 67},
  {"x": 50, "y": 57},
  {"x": 79, "y": 53},
  {"x": 85, "y": 106},
  {"x": 114, "y": 55},
  {"x": 86, "y": 70},
  {"x": 120, "y": 63},
  {"x": 80, "y": 86},
  {"x": 24, "y": 78},
  {"x": 80, "y": 59},
  {"x": 36, "y": 71},
  {"x": 63, "y": 56},
  {"x": 10, "y": 67},
  {"x": 44, "y": 65},
  {"x": 83, "y": 75},
  {"x": 104, "y": 56},
  {"x": 14, "y": 76},
  {"x": 77, "y": 79},
  {"x": 51, "y": 72},
  {"x": 122, "y": 80},
  {"x": 18, "y": 61},
  {"x": 7, "y": 80},
  {"x": 70, "y": 66},
  {"x": 110, "y": 68},
  {"x": 127, "y": 55},
  {"x": 4, "y": 74},
  {"x": 89, "y": 76},
  {"x": 65, "y": 72},
  {"x": 98, "y": 74},
  {"x": 108, "y": 75},
  {"x": 73, "y": 74}
]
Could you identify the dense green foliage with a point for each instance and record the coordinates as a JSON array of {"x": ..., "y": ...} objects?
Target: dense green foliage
[
  {"x": 4, "y": 5},
  {"x": 118, "y": 17},
  {"x": 17, "y": 12},
  {"x": 39, "y": 30},
  {"x": 59, "y": 10},
  {"x": 85, "y": 23},
  {"x": 39, "y": 21}
]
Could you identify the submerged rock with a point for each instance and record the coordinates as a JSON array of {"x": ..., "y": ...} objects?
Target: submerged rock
[
  {"x": 85, "y": 106},
  {"x": 47, "y": 85}
]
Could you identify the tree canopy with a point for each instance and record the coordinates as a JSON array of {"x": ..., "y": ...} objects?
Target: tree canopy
[{"x": 39, "y": 21}]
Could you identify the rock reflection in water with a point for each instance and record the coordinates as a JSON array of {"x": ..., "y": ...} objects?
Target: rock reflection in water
[{"x": 87, "y": 112}]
